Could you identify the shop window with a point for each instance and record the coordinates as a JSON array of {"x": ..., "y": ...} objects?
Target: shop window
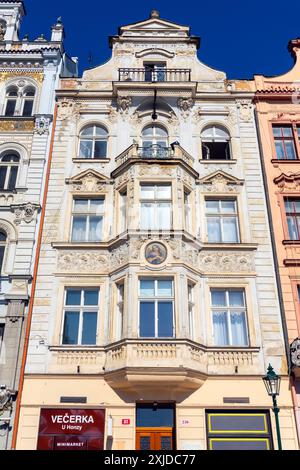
[
  {"x": 238, "y": 430},
  {"x": 87, "y": 220},
  {"x": 156, "y": 299},
  {"x": 222, "y": 221},
  {"x": 156, "y": 207},
  {"x": 229, "y": 317},
  {"x": 215, "y": 144},
  {"x": 80, "y": 318}
]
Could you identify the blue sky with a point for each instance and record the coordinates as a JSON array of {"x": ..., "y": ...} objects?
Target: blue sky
[{"x": 238, "y": 37}]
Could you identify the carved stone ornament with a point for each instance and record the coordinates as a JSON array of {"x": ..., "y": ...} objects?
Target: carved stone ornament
[
  {"x": 67, "y": 108},
  {"x": 295, "y": 352},
  {"x": 124, "y": 103},
  {"x": 6, "y": 397},
  {"x": 42, "y": 125},
  {"x": 173, "y": 121},
  {"x": 73, "y": 261},
  {"x": 221, "y": 182},
  {"x": 228, "y": 262},
  {"x": 2, "y": 30},
  {"x": 155, "y": 170},
  {"x": 185, "y": 105},
  {"x": 288, "y": 182},
  {"x": 112, "y": 115},
  {"x": 245, "y": 107},
  {"x": 89, "y": 181},
  {"x": 25, "y": 212}
]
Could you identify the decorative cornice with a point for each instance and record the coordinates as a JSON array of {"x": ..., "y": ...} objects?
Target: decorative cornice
[{"x": 288, "y": 182}]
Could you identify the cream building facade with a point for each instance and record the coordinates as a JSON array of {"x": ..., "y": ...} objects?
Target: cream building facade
[
  {"x": 156, "y": 311},
  {"x": 29, "y": 75}
]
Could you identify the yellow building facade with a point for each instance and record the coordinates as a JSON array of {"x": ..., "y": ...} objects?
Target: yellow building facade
[{"x": 155, "y": 313}]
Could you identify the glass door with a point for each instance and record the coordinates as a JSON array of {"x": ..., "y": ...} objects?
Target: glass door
[{"x": 155, "y": 426}]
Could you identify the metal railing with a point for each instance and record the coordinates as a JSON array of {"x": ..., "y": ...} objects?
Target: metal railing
[
  {"x": 155, "y": 151},
  {"x": 154, "y": 75}
]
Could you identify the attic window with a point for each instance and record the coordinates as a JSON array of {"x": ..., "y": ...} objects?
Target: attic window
[{"x": 215, "y": 144}]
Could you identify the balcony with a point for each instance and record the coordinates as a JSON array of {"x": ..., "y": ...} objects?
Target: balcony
[
  {"x": 151, "y": 75},
  {"x": 155, "y": 153}
]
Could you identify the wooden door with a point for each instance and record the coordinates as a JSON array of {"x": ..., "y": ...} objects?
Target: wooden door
[{"x": 154, "y": 439}]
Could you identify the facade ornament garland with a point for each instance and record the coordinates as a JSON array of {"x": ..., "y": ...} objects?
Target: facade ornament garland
[
  {"x": 124, "y": 103},
  {"x": 42, "y": 124},
  {"x": 25, "y": 212},
  {"x": 35, "y": 75},
  {"x": 67, "y": 108},
  {"x": 89, "y": 181},
  {"x": 185, "y": 105},
  {"x": 246, "y": 110},
  {"x": 220, "y": 182},
  {"x": 288, "y": 182},
  {"x": 17, "y": 126},
  {"x": 77, "y": 261},
  {"x": 112, "y": 115}
]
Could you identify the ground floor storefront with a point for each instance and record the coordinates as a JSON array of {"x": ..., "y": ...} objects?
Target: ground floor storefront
[{"x": 86, "y": 413}]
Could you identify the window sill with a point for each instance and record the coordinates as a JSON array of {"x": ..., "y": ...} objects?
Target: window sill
[
  {"x": 276, "y": 161},
  {"x": 102, "y": 244},
  {"x": 230, "y": 246},
  {"x": 91, "y": 160},
  {"x": 210, "y": 162},
  {"x": 291, "y": 242}
]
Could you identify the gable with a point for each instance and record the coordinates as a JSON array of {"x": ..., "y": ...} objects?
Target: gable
[
  {"x": 89, "y": 181},
  {"x": 221, "y": 182}
]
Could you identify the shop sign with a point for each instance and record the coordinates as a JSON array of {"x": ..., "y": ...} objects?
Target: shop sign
[{"x": 125, "y": 421}]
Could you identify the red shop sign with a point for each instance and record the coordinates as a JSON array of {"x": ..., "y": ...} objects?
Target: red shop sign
[
  {"x": 71, "y": 429},
  {"x": 125, "y": 421}
]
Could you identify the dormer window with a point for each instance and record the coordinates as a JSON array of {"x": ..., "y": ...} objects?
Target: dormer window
[
  {"x": 155, "y": 71},
  {"x": 215, "y": 143}
]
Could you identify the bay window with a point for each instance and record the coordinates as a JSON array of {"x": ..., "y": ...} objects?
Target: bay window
[
  {"x": 222, "y": 221},
  {"x": 87, "y": 220},
  {"x": 156, "y": 302},
  {"x": 156, "y": 207},
  {"x": 81, "y": 308},
  {"x": 229, "y": 317}
]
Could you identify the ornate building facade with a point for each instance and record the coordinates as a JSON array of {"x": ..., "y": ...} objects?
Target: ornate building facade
[
  {"x": 278, "y": 113},
  {"x": 156, "y": 312},
  {"x": 29, "y": 74}
]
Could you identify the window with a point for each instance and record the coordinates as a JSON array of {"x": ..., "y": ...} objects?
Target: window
[
  {"x": 155, "y": 72},
  {"x": 123, "y": 211},
  {"x": 238, "y": 430},
  {"x": 191, "y": 310},
  {"x": 222, "y": 221},
  {"x": 215, "y": 144},
  {"x": 11, "y": 101},
  {"x": 156, "y": 308},
  {"x": 155, "y": 142},
  {"x": 9, "y": 165},
  {"x": 284, "y": 142},
  {"x": 87, "y": 223},
  {"x": 292, "y": 210},
  {"x": 28, "y": 101},
  {"x": 156, "y": 207},
  {"x": 229, "y": 317},
  {"x": 2, "y": 326},
  {"x": 120, "y": 311},
  {"x": 93, "y": 143},
  {"x": 80, "y": 316},
  {"x": 187, "y": 210},
  {"x": 3, "y": 239}
]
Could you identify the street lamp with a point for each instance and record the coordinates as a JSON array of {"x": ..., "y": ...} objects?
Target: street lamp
[{"x": 272, "y": 384}]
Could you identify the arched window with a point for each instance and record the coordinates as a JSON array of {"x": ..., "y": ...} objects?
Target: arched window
[
  {"x": 28, "y": 101},
  {"x": 11, "y": 101},
  {"x": 155, "y": 141},
  {"x": 3, "y": 239},
  {"x": 215, "y": 143},
  {"x": 9, "y": 165},
  {"x": 93, "y": 142}
]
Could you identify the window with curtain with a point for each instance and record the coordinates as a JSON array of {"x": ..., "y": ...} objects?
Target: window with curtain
[
  {"x": 87, "y": 220},
  {"x": 229, "y": 317},
  {"x": 93, "y": 142},
  {"x": 222, "y": 221},
  {"x": 284, "y": 142},
  {"x": 9, "y": 166},
  {"x": 120, "y": 311},
  {"x": 11, "y": 101},
  {"x": 215, "y": 143},
  {"x": 292, "y": 211},
  {"x": 3, "y": 241},
  {"x": 28, "y": 101},
  {"x": 156, "y": 305},
  {"x": 156, "y": 207},
  {"x": 81, "y": 308}
]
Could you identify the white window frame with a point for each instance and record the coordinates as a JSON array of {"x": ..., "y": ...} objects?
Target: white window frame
[
  {"x": 187, "y": 210},
  {"x": 221, "y": 215},
  {"x": 119, "y": 328},
  {"x": 155, "y": 299},
  {"x": 228, "y": 311},
  {"x": 123, "y": 210},
  {"x": 93, "y": 138},
  {"x": 9, "y": 166},
  {"x": 191, "y": 309},
  {"x": 88, "y": 214},
  {"x": 155, "y": 203},
  {"x": 81, "y": 308}
]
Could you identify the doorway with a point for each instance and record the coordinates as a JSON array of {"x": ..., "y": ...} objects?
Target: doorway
[{"x": 155, "y": 426}]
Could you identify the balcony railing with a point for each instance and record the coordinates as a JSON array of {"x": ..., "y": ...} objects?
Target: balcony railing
[
  {"x": 154, "y": 75},
  {"x": 155, "y": 152}
]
